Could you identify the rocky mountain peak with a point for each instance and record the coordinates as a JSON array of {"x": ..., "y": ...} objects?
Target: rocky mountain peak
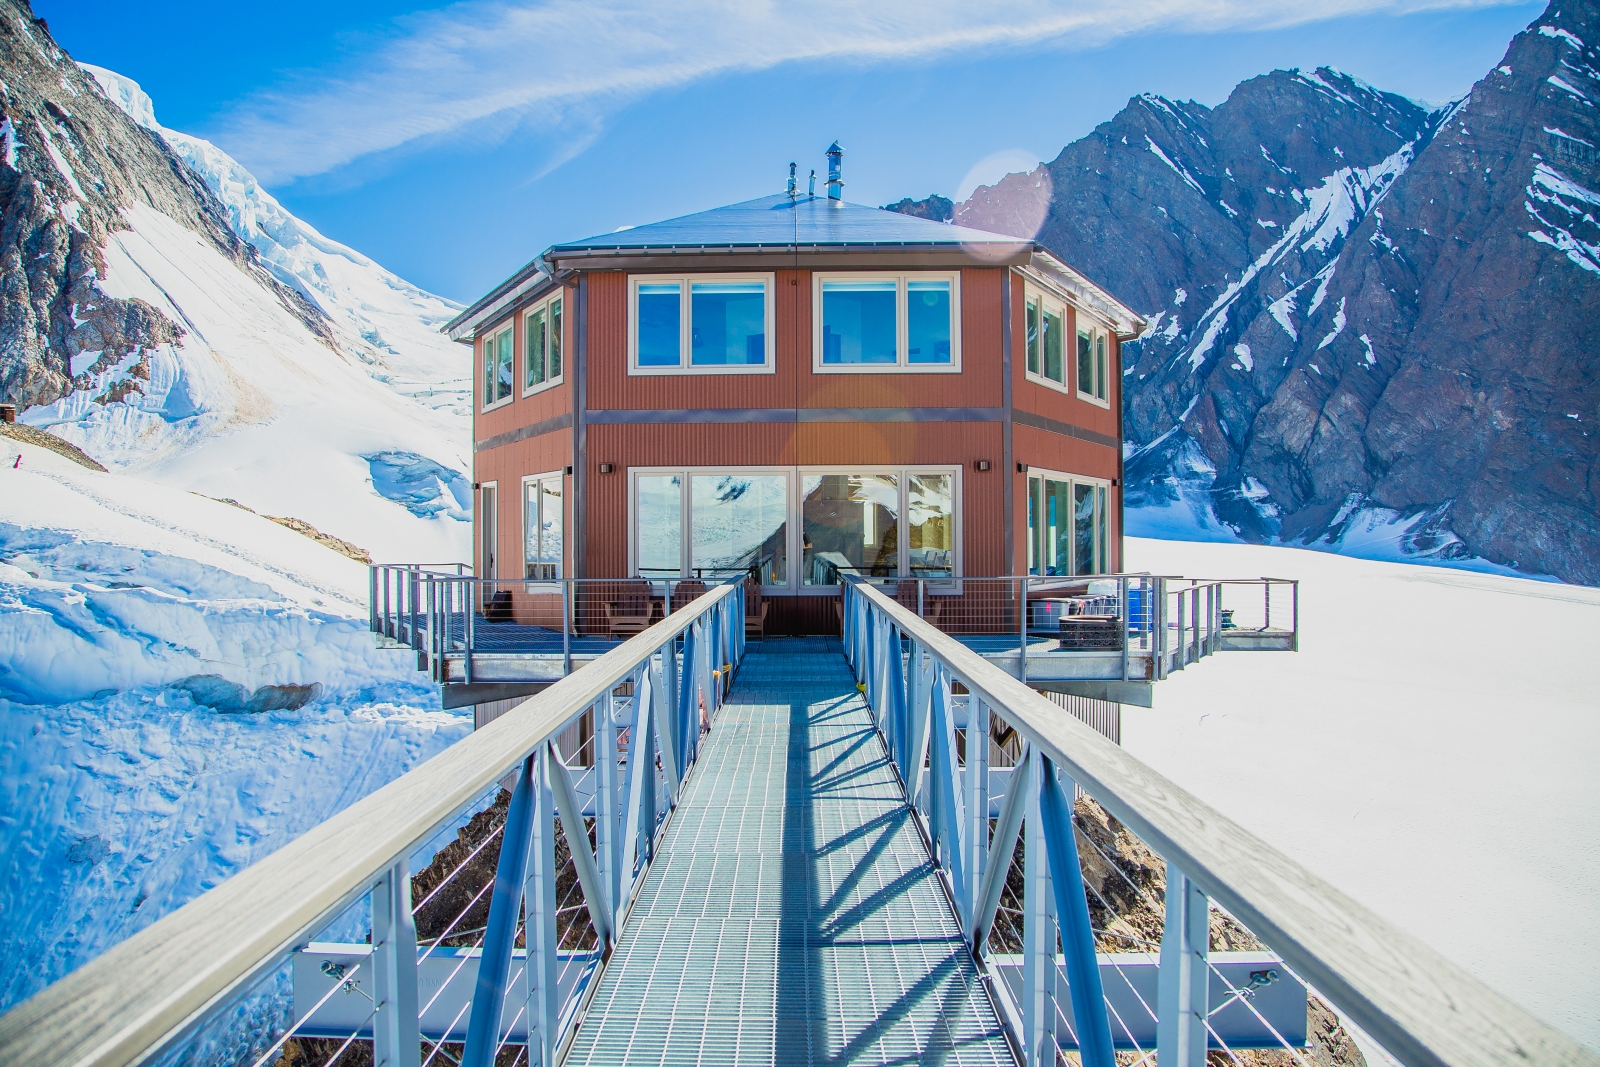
[
  {"x": 70, "y": 162},
  {"x": 1371, "y": 324}
]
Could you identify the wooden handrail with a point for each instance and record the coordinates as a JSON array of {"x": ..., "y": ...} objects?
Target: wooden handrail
[
  {"x": 1420, "y": 1007},
  {"x": 142, "y": 994}
]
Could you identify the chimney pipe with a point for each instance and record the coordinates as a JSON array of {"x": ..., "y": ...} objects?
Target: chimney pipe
[
  {"x": 792, "y": 186},
  {"x": 813, "y": 190},
  {"x": 835, "y": 169}
]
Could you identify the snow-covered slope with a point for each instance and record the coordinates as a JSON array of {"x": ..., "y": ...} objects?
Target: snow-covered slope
[
  {"x": 390, "y": 324},
  {"x": 366, "y": 439},
  {"x": 1431, "y": 750},
  {"x": 132, "y": 617}
]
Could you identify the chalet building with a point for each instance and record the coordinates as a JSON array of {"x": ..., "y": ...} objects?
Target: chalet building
[{"x": 796, "y": 388}]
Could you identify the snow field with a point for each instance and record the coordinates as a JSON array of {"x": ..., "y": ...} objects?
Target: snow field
[
  {"x": 1430, "y": 750},
  {"x": 121, "y": 797}
]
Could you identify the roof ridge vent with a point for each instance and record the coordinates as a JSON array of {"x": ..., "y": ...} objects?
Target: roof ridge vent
[{"x": 835, "y": 172}]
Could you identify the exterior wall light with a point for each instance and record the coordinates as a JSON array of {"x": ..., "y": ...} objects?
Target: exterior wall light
[
  {"x": 606, "y": 468},
  {"x": 981, "y": 465},
  {"x": 1022, "y": 468}
]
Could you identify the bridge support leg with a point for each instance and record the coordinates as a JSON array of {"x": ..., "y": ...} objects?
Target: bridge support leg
[
  {"x": 394, "y": 957},
  {"x": 539, "y": 896},
  {"x": 1072, "y": 909},
  {"x": 1038, "y": 936},
  {"x": 1181, "y": 993},
  {"x": 494, "y": 967},
  {"x": 975, "y": 846}
]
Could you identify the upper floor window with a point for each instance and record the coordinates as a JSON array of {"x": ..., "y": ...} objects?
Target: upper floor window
[
  {"x": 497, "y": 368},
  {"x": 1046, "y": 328},
  {"x": 541, "y": 354},
  {"x": 881, "y": 322},
  {"x": 705, "y": 324},
  {"x": 1093, "y": 355}
]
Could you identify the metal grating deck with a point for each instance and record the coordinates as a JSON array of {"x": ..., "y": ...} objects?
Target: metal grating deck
[{"x": 792, "y": 915}]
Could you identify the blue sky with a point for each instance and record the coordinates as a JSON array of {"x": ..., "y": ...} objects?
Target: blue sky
[{"x": 454, "y": 142}]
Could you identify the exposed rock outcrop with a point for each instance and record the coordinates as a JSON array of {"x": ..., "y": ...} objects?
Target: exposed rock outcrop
[
  {"x": 70, "y": 160},
  {"x": 1360, "y": 311}
]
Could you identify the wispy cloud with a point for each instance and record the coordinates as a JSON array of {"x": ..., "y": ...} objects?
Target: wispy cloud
[{"x": 442, "y": 73}]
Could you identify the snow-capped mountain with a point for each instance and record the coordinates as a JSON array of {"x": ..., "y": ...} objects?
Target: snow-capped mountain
[
  {"x": 390, "y": 324},
  {"x": 162, "y": 312},
  {"x": 1372, "y": 325}
]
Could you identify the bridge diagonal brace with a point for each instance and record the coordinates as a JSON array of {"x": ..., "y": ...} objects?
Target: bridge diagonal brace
[
  {"x": 494, "y": 966},
  {"x": 1004, "y": 846},
  {"x": 594, "y": 895},
  {"x": 666, "y": 723},
  {"x": 1072, "y": 912}
]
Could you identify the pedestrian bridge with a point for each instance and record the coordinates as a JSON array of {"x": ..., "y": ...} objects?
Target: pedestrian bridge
[{"x": 792, "y": 851}]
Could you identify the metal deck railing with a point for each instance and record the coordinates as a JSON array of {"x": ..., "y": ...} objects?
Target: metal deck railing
[
  {"x": 919, "y": 739},
  {"x": 1420, "y": 1008},
  {"x": 163, "y": 985}
]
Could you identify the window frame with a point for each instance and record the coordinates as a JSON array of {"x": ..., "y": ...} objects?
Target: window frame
[
  {"x": 489, "y": 340},
  {"x": 544, "y": 585},
  {"x": 795, "y": 518},
  {"x": 527, "y": 313},
  {"x": 1097, "y": 331},
  {"x": 902, "y": 532},
  {"x": 686, "y": 510},
  {"x": 685, "y": 283},
  {"x": 1102, "y": 501},
  {"x": 902, "y": 363},
  {"x": 1035, "y": 294}
]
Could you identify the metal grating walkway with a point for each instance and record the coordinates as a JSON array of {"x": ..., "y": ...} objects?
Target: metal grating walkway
[{"x": 792, "y": 915}]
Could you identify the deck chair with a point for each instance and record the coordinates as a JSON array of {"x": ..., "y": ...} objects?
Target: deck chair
[
  {"x": 755, "y": 610},
  {"x": 628, "y": 612},
  {"x": 686, "y": 591}
]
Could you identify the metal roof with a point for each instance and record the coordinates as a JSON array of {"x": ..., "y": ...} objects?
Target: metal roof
[{"x": 783, "y": 222}]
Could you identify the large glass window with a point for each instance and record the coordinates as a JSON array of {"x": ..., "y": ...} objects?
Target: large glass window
[
  {"x": 930, "y": 525},
  {"x": 497, "y": 355},
  {"x": 737, "y": 524},
  {"x": 1047, "y": 345},
  {"x": 928, "y": 321},
  {"x": 709, "y": 324},
  {"x": 659, "y": 318},
  {"x": 849, "y": 525},
  {"x": 541, "y": 352},
  {"x": 858, "y": 322},
  {"x": 740, "y": 525},
  {"x": 875, "y": 322},
  {"x": 729, "y": 323},
  {"x": 1068, "y": 526},
  {"x": 1033, "y": 327},
  {"x": 543, "y": 525},
  {"x": 658, "y": 525},
  {"x": 1093, "y": 346}
]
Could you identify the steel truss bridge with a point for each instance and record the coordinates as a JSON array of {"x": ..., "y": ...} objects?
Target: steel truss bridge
[{"x": 795, "y": 852}]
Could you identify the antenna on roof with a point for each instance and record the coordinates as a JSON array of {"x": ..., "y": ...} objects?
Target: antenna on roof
[
  {"x": 835, "y": 172},
  {"x": 792, "y": 185},
  {"x": 812, "y": 191}
]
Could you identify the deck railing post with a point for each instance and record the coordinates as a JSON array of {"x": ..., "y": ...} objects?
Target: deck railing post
[
  {"x": 1294, "y": 594},
  {"x": 394, "y": 957},
  {"x": 1127, "y": 620},
  {"x": 1022, "y": 629},
  {"x": 494, "y": 965},
  {"x": 1194, "y": 615},
  {"x": 372, "y": 597},
  {"x": 384, "y": 625},
  {"x": 1072, "y": 911},
  {"x": 468, "y": 632},
  {"x": 1181, "y": 1004},
  {"x": 1266, "y": 606},
  {"x": 566, "y": 626}
]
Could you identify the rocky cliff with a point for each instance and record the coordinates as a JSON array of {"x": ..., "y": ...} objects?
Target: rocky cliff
[
  {"x": 1372, "y": 326},
  {"x": 70, "y": 162}
]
